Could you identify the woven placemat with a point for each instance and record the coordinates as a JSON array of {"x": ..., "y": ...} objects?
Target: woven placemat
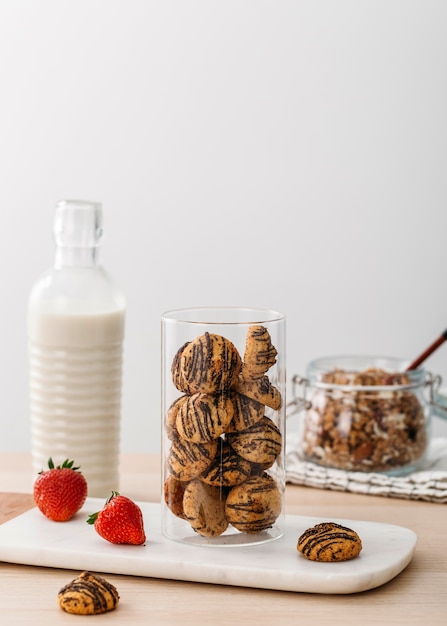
[{"x": 429, "y": 483}]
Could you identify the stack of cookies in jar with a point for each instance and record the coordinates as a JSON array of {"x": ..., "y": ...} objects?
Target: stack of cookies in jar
[{"x": 221, "y": 442}]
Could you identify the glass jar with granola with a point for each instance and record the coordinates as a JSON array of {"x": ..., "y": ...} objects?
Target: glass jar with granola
[{"x": 365, "y": 414}]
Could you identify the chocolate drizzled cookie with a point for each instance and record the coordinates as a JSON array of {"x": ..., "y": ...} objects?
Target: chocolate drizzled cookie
[
  {"x": 261, "y": 443},
  {"x": 88, "y": 594},
  {"x": 329, "y": 541},
  {"x": 208, "y": 364},
  {"x": 260, "y": 354},
  {"x": 246, "y": 412},
  {"x": 171, "y": 417},
  {"x": 204, "y": 417},
  {"x": 227, "y": 469},
  {"x": 260, "y": 390},
  {"x": 254, "y": 505},
  {"x": 186, "y": 459}
]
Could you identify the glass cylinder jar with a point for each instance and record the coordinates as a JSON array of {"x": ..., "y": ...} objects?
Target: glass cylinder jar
[
  {"x": 223, "y": 412},
  {"x": 365, "y": 414}
]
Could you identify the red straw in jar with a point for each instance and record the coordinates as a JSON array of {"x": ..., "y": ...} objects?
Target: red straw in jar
[{"x": 434, "y": 346}]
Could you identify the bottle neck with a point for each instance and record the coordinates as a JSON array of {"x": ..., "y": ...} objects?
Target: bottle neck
[{"x": 76, "y": 257}]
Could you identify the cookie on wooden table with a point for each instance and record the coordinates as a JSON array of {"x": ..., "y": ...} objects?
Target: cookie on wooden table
[{"x": 88, "y": 594}]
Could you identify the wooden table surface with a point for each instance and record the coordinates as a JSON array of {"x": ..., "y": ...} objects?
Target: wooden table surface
[{"x": 28, "y": 595}]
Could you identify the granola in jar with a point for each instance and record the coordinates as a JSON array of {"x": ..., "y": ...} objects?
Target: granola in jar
[{"x": 372, "y": 420}]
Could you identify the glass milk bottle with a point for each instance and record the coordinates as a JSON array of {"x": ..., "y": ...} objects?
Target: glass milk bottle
[{"x": 76, "y": 319}]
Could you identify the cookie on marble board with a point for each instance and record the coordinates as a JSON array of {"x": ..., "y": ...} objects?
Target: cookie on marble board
[{"x": 329, "y": 542}]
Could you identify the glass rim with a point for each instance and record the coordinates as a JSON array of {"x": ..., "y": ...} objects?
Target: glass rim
[
  {"x": 253, "y": 315},
  {"x": 79, "y": 204}
]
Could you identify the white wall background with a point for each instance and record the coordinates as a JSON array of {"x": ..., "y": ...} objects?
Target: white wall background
[{"x": 295, "y": 151}]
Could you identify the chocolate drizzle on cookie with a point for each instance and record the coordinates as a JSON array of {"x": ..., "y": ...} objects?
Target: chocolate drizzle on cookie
[
  {"x": 254, "y": 505},
  {"x": 204, "y": 417},
  {"x": 246, "y": 411},
  {"x": 329, "y": 541},
  {"x": 260, "y": 390},
  {"x": 209, "y": 364},
  {"x": 262, "y": 443},
  {"x": 227, "y": 469},
  {"x": 176, "y": 370},
  {"x": 187, "y": 460},
  {"x": 260, "y": 354},
  {"x": 88, "y": 595}
]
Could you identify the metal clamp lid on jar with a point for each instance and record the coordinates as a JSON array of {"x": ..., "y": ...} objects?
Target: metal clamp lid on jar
[
  {"x": 300, "y": 403},
  {"x": 434, "y": 395}
]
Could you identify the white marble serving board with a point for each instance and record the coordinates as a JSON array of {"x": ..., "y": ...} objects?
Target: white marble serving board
[{"x": 32, "y": 539}]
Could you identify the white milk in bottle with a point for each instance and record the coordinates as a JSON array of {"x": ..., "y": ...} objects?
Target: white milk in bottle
[{"x": 76, "y": 319}]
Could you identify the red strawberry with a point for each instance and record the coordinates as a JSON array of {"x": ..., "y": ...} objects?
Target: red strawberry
[
  {"x": 120, "y": 521},
  {"x": 59, "y": 492}
]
